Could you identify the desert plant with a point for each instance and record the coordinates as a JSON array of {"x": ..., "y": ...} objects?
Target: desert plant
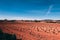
[{"x": 6, "y": 36}]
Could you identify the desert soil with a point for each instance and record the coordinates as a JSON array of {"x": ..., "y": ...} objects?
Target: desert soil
[{"x": 33, "y": 30}]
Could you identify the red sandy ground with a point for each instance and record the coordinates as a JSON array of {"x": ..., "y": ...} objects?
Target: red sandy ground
[{"x": 33, "y": 30}]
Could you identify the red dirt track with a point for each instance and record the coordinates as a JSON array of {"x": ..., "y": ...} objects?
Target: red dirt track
[{"x": 32, "y": 30}]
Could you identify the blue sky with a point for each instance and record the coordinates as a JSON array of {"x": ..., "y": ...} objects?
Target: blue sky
[{"x": 30, "y": 9}]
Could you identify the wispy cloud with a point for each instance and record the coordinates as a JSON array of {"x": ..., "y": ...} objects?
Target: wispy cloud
[{"x": 49, "y": 9}]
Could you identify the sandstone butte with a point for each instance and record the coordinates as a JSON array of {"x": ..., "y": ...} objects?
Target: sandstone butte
[{"x": 32, "y": 30}]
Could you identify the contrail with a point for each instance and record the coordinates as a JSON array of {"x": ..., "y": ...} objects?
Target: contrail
[{"x": 49, "y": 9}]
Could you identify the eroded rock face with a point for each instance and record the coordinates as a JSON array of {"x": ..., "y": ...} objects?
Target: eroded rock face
[{"x": 33, "y": 30}]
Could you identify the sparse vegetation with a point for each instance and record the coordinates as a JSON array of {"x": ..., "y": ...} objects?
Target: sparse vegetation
[
  {"x": 36, "y": 20},
  {"x": 6, "y": 36}
]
